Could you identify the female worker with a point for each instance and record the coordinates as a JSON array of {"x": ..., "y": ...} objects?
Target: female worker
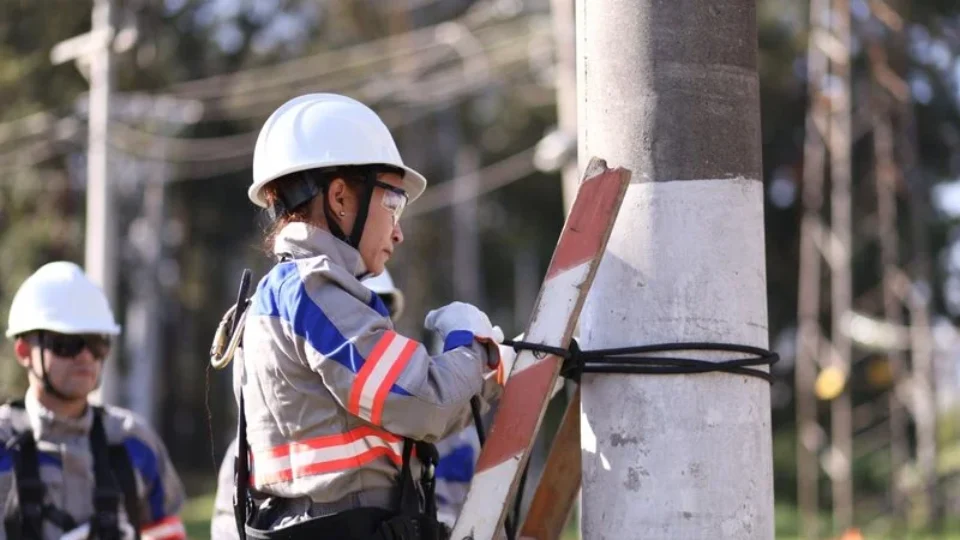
[{"x": 333, "y": 398}]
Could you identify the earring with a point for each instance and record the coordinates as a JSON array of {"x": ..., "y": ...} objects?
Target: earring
[{"x": 342, "y": 213}]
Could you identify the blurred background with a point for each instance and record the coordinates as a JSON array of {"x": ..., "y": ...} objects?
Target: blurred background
[{"x": 157, "y": 104}]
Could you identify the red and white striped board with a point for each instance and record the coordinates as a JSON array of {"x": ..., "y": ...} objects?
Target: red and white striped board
[{"x": 527, "y": 394}]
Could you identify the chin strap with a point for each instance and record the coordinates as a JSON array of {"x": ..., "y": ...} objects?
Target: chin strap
[
  {"x": 369, "y": 178},
  {"x": 44, "y": 376},
  {"x": 302, "y": 187}
]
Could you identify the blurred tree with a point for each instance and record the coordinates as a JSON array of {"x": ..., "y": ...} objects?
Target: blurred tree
[{"x": 213, "y": 230}]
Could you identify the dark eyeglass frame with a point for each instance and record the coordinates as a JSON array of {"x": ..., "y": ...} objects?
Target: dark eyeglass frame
[{"x": 391, "y": 187}]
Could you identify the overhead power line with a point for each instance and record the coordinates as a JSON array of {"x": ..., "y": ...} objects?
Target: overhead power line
[{"x": 491, "y": 178}]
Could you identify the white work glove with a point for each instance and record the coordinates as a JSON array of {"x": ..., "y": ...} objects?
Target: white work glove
[
  {"x": 463, "y": 316},
  {"x": 508, "y": 356}
]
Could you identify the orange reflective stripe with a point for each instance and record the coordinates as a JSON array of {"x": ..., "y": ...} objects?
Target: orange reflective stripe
[
  {"x": 360, "y": 382},
  {"x": 391, "y": 377},
  {"x": 169, "y": 528},
  {"x": 372, "y": 385}
]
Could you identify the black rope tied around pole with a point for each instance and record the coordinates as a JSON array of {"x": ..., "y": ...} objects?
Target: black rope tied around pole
[{"x": 627, "y": 360}]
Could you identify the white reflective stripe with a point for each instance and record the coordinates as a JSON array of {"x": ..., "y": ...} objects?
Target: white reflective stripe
[
  {"x": 374, "y": 377},
  {"x": 79, "y": 533},
  {"x": 325, "y": 454}
]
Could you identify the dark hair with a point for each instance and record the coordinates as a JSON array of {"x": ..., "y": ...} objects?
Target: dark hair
[
  {"x": 271, "y": 194},
  {"x": 354, "y": 175}
]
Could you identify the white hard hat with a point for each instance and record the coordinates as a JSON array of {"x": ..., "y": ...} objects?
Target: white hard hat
[
  {"x": 59, "y": 297},
  {"x": 316, "y": 131},
  {"x": 384, "y": 287}
]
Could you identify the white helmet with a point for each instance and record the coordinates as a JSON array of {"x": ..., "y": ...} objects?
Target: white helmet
[
  {"x": 384, "y": 287},
  {"x": 59, "y": 297},
  {"x": 324, "y": 130}
]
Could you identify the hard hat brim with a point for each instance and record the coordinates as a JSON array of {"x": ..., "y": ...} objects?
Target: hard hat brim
[
  {"x": 414, "y": 183},
  {"x": 113, "y": 330}
]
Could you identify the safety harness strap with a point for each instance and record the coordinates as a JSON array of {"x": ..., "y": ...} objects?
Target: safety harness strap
[{"x": 111, "y": 465}]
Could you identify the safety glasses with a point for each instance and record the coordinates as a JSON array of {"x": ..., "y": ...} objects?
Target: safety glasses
[
  {"x": 394, "y": 199},
  {"x": 70, "y": 345}
]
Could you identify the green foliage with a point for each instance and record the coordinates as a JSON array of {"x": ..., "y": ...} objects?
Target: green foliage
[{"x": 41, "y": 209}]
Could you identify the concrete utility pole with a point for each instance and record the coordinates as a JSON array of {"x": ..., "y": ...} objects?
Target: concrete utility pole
[
  {"x": 146, "y": 238},
  {"x": 100, "y": 244},
  {"x": 100, "y": 241},
  {"x": 145, "y": 309},
  {"x": 670, "y": 90}
]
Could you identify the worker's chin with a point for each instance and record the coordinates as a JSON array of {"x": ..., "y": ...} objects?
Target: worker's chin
[
  {"x": 379, "y": 264},
  {"x": 78, "y": 387}
]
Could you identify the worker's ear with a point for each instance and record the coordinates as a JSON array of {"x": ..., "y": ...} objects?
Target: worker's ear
[
  {"x": 342, "y": 199},
  {"x": 22, "y": 349}
]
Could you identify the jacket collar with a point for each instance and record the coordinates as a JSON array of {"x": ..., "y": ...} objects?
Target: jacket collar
[
  {"x": 47, "y": 425},
  {"x": 302, "y": 240}
]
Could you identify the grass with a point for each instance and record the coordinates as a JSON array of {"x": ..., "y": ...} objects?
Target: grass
[
  {"x": 788, "y": 525},
  {"x": 196, "y": 518}
]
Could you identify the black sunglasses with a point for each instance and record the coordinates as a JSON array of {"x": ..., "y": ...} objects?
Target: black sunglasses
[{"x": 70, "y": 345}]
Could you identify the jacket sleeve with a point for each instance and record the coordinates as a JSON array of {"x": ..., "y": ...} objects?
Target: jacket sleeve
[
  {"x": 162, "y": 494},
  {"x": 383, "y": 377},
  {"x": 8, "y": 488}
]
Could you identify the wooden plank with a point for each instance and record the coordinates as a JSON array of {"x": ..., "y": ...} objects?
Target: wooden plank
[
  {"x": 560, "y": 481},
  {"x": 580, "y": 248}
]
